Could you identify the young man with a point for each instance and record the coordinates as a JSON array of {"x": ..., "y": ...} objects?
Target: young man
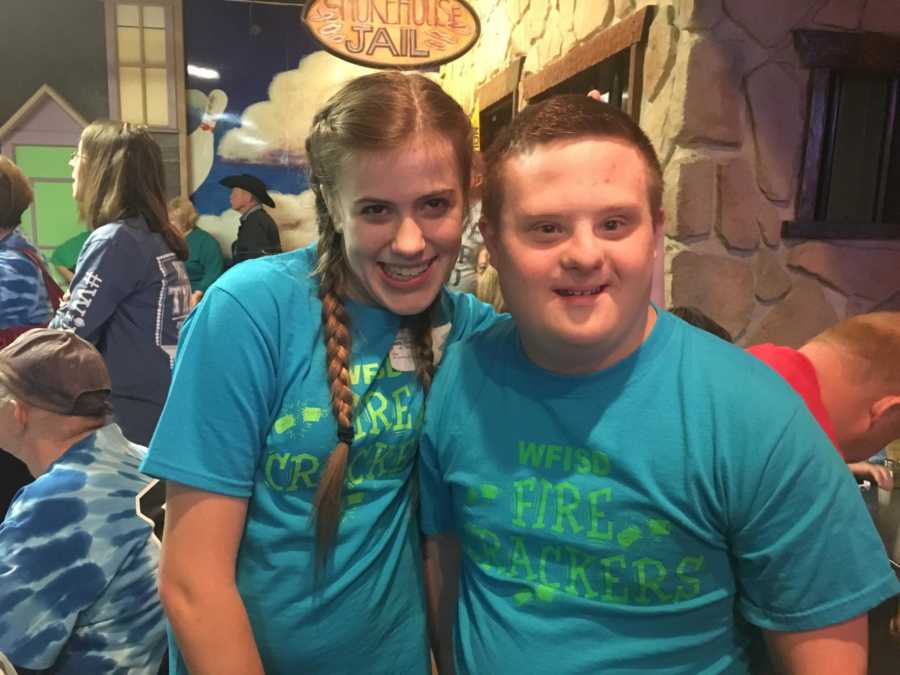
[
  {"x": 630, "y": 493},
  {"x": 78, "y": 566}
]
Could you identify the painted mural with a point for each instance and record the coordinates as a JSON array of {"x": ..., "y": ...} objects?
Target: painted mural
[{"x": 255, "y": 77}]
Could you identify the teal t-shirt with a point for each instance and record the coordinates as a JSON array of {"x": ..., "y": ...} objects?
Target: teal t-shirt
[
  {"x": 205, "y": 263},
  {"x": 249, "y": 416},
  {"x": 635, "y": 519}
]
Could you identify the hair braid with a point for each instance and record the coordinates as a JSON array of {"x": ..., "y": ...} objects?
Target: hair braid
[
  {"x": 423, "y": 352},
  {"x": 338, "y": 341}
]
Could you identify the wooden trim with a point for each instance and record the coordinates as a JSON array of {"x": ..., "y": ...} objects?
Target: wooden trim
[
  {"x": 802, "y": 229},
  {"x": 180, "y": 118},
  {"x": 815, "y": 137},
  {"x": 604, "y": 44},
  {"x": 502, "y": 84},
  {"x": 838, "y": 50},
  {"x": 45, "y": 90},
  {"x": 112, "y": 60}
]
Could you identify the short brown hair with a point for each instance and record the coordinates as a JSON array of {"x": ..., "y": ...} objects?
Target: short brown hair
[
  {"x": 15, "y": 194},
  {"x": 874, "y": 339},
  {"x": 567, "y": 117},
  {"x": 121, "y": 175}
]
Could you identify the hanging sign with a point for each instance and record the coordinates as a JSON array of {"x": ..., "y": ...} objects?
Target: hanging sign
[{"x": 394, "y": 33}]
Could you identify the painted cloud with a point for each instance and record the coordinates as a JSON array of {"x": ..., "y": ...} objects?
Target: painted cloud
[{"x": 274, "y": 131}]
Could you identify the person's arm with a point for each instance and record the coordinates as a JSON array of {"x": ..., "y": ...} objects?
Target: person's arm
[
  {"x": 877, "y": 473},
  {"x": 65, "y": 273},
  {"x": 197, "y": 582},
  {"x": 442, "y": 553},
  {"x": 841, "y": 648},
  {"x": 107, "y": 271}
]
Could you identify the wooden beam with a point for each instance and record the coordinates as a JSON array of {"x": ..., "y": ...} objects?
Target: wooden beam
[
  {"x": 593, "y": 50},
  {"x": 502, "y": 84},
  {"x": 872, "y": 52}
]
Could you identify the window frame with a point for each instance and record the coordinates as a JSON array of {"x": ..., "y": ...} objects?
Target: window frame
[
  {"x": 628, "y": 34},
  {"x": 173, "y": 39},
  {"x": 824, "y": 53},
  {"x": 503, "y": 88}
]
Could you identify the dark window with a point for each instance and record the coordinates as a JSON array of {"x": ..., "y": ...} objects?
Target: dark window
[
  {"x": 850, "y": 186},
  {"x": 492, "y": 120},
  {"x": 609, "y": 77}
]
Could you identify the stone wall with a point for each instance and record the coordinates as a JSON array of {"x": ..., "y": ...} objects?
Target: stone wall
[{"x": 725, "y": 102}]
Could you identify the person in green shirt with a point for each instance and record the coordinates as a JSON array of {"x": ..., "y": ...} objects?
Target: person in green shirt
[
  {"x": 66, "y": 255},
  {"x": 205, "y": 263}
]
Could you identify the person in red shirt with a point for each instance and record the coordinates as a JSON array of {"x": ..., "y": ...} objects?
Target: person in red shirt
[{"x": 849, "y": 377}]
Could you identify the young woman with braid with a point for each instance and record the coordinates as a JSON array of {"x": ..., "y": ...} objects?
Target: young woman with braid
[{"x": 290, "y": 434}]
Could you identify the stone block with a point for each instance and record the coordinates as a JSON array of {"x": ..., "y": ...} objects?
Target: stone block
[
  {"x": 707, "y": 100},
  {"x": 841, "y": 14},
  {"x": 566, "y": 14},
  {"x": 659, "y": 57},
  {"x": 881, "y": 16},
  {"x": 804, "y": 313},
  {"x": 777, "y": 104},
  {"x": 769, "y": 23},
  {"x": 514, "y": 9},
  {"x": 720, "y": 286},
  {"x": 549, "y": 46},
  {"x": 772, "y": 280},
  {"x": 689, "y": 200},
  {"x": 892, "y": 304},
  {"x": 623, "y": 8},
  {"x": 591, "y": 15},
  {"x": 535, "y": 20},
  {"x": 739, "y": 200},
  {"x": 697, "y": 14},
  {"x": 871, "y": 273}
]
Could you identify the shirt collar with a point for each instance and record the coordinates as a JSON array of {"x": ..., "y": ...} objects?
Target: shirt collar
[{"x": 249, "y": 211}]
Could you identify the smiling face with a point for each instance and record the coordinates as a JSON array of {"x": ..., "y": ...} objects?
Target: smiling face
[
  {"x": 574, "y": 250},
  {"x": 401, "y": 216}
]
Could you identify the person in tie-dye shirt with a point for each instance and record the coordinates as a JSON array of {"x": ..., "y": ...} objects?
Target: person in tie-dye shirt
[
  {"x": 78, "y": 565},
  {"x": 23, "y": 295}
]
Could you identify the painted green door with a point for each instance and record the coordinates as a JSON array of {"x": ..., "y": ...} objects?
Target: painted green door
[{"x": 53, "y": 216}]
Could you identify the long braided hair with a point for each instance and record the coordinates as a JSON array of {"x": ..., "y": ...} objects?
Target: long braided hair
[{"x": 377, "y": 112}]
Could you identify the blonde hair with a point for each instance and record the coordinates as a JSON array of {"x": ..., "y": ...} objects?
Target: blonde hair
[
  {"x": 487, "y": 288},
  {"x": 182, "y": 212},
  {"x": 377, "y": 112},
  {"x": 15, "y": 194}
]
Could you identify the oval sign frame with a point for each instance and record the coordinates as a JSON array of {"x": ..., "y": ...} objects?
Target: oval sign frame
[{"x": 317, "y": 15}]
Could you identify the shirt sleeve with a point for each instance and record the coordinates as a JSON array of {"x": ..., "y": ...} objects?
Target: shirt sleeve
[
  {"x": 105, "y": 274},
  {"x": 211, "y": 259},
  {"x": 435, "y": 499},
  {"x": 470, "y": 315},
  {"x": 45, "y": 578},
  {"x": 807, "y": 553},
  {"x": 220, "y": 404}
]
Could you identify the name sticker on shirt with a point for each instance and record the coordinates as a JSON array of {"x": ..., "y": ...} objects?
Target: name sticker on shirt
[{"x": 402, "y": 350}]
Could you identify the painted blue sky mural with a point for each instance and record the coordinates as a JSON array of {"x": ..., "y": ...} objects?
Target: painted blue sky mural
[{"x": 246, "y": 45}]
